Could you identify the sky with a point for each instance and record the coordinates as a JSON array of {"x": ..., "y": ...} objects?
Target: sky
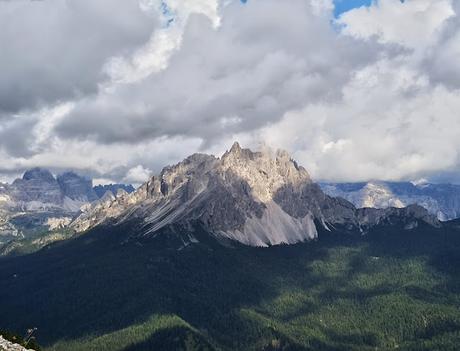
[
  {"x": 341, "y": 6},
  {"x": 353, "y": 90}
]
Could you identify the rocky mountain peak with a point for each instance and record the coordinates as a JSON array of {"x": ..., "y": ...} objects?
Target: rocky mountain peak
[
  {"x": 100, "y": 190},
  {"x": 265, "y": 171},
  {"x": 40, "y": 174},
  {"x": 236, "y": 148},
  {"x": 258, "y": 198},
  {"x": 121, "y": 193},
  {"x": 76, "y": 187},
  {"x": 173, "y": 178},
  {"x": 37, "y": 186},
  {"x": 38, "y": 201}
]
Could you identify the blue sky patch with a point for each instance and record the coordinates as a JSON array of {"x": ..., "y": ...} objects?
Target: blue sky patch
[{"x": 342, "y": 6}]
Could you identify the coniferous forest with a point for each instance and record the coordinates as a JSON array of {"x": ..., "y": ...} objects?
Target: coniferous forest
[{"x": 383, "y": 291}]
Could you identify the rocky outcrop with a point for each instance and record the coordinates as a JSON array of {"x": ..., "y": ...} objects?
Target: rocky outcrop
[
  {"x": 6, "y": 345},
  {"x": 100, "y": 190},
  {"x": 256, "y": 198}
]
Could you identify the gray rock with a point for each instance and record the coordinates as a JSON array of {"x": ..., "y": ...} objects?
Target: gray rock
[
  {"x": 257, "y": 198},
  {"x": 442, "y": 200},
  {"x": 76, "y": 187},
  {"x": 39, "y": 202},
  {"x": 6, "y": 345},
  {"x": 100, "y": 190},
  {"x": 37, "y": 185}
]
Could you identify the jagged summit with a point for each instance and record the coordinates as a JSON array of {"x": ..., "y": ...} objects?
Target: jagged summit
[
  {"x": 442, "y": 200},
  {"x": 236, "y": 148},
  {"x": 76, "y": 187},
  {"x": 38, "y": 173},
  {"x": 100, "y": 190},
  {"x": 258, "y": 198},
  {"x": 38, "y": 198}
]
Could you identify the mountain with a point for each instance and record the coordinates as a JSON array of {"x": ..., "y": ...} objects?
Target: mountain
[
  {"x": 76, "y": 187},
  {"x": 256, "y": 198},
  {"x": 113, "y": 188},
  {"x": 36, "y": 209},
  {"x": 442, "y": 200},
  {"x": 7, "y": 345},
  {"x": 39, "y": 202},
  {"x": 189, "y": 261},
  {"x": 37, "y": 188}
]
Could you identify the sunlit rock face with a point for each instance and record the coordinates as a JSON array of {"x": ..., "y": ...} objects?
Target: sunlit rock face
[
  {"x": 6, "y": 345},
  {"x": 38, "y": 202},
  {"x": 442, "y": 200},
  {"x": 257, "y": 198},
  {"x": 100, "y": 190}
]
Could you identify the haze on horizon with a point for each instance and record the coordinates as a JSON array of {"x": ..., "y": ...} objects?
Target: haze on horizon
[{"x": 117, "y": 89}]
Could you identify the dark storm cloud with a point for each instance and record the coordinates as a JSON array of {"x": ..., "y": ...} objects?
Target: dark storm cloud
[{"x": 54, "y": 50}]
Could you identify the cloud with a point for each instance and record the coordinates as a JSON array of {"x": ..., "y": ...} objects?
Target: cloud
[
  {"x": 137, "y": 175},
  {"x": 441, "y": 61},
  {"x": 263, "y": 59},
  {"x": 412, "y": 23},
  {"x": 100, "y": 161},
  {"x": 54, "y": 50},
  {"x": 391, "y": 124},
  {"x": 431, "y": 29},
  {"x": 372, "y": 94}
]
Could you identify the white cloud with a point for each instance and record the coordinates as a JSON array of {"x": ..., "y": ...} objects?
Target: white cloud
[
  {"x": 376, "y": 99},
  {"x": 261, "y": 61},
  {"x": 154, "y": 55},
  {"x": 137, "y": 175},
  {"x": 412, "y": 23},
  {"x": 391, "y": 124}
]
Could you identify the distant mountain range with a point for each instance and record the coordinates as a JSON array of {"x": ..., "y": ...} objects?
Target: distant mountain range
[
  {"x": 255, "y": 198},
  {"x": 442, "y": 200},
  {"x": 39, "y": 201}
]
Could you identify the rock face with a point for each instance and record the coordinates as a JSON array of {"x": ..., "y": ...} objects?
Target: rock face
[
  {"x": 100, "y": 190},
  {"x": 76, "y": 187},
  {"x": 256, "y": 198},
  {"x": 6, "y": 345},
  {"x": 37, "y": 186},
  {"x": 40, "y": 190},
  {"x": 38, "y": 202},
  {"x": 442, "y": 200}
]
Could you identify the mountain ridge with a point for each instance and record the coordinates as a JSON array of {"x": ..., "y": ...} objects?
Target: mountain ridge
[
  {"x": 180, "y": 249},
  {"x": 258, "y": 198},
  {"x": 39, "y": 201},
  {"x": 442, "y": 200}
]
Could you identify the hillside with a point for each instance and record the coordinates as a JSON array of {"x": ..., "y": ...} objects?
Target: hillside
[
  {"x": 242, "y": 252},
  {"x": 388, "y": 289}
]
